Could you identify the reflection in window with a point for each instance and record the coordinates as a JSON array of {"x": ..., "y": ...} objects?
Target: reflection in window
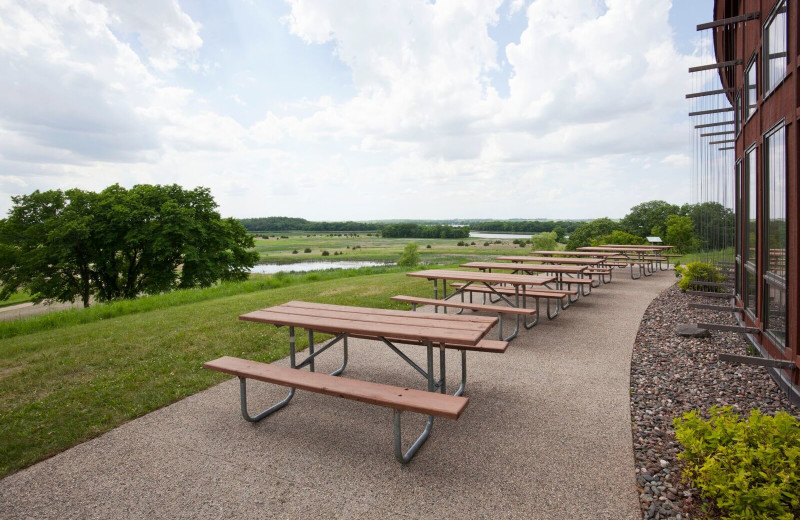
[
  {"x": 775, "y": 58},
  {"x": 750, "y": 186},
  {"x": 776, "y": 233},
  {"x": 750, "y": 290},
  {"x": 737, "y": 112},
  {"x": 776, "y": 313},
  {"x": 751, "y": 94}
]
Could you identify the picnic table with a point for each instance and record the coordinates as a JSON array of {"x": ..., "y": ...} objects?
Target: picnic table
[
  {"x": 515, "y": 285},
  {"x": 595, "y": 266},
  {"x": 389, "y": 327},
  {"x": 645, "y": 256}
]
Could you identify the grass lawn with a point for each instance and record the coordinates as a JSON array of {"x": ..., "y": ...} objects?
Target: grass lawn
[
  {"x": 71, "y": 381},
  {"x": 375, "y": 248}
]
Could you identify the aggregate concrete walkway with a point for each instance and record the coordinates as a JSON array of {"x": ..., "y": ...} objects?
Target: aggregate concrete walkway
[{"x": 546, "y": 435}]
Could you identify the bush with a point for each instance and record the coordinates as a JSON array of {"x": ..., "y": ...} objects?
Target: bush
[
  {"x": 746, "y": 468},
  {"x": 486, "y": 244},
  {"x": 621, "y": 237},
  {"x": 428, "y": 246},
  {"x": 325, "y": 253},
  {"x": 307, "y": 250},
  {"x": 410, "y": 256},
  {"x": 461, "y": 243},
  {"x": 697, "y": 272},
  {"x": 294, "y": 252},
  {"x": 544, "y": 241},
  {"x": 472, "y": 243}
]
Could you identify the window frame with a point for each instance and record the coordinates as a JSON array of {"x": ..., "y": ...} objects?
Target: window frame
[
  {"x": 770, "y": 279},
  {"x": 765, "y": 68},
  {"x": 746, "y": 90},
  {"x": 749, "y": 263}
]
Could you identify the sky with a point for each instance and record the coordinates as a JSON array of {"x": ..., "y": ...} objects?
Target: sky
[{"x": 352, "y": 109}]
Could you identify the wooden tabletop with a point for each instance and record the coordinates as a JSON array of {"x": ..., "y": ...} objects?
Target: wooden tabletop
[
  {"x": 473, "y": 276},
  {"x": 636, "y": 245},
  {"x": 538, "y": 268},
  {"x": 366, "y": 322},
  {"x": 549, "y": 260},
  {"x": 626, "y": 249},
  {"x": 598, "y": 254}
]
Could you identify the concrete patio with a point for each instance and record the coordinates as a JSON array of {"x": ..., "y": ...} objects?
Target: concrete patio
[{"x": 547, "y": 434}]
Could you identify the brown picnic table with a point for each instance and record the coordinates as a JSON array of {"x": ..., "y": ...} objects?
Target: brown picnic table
[
  {"x": 645, "y": 256},
  {"x": 390, "y": 327},
  {"x": 596, "y": 266},
  {"x": 501, "y": 286}
]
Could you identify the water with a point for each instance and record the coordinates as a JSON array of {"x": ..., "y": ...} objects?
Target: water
[
  {"x": 498, "y": 236},
  {"x": 302, "y": 267}
]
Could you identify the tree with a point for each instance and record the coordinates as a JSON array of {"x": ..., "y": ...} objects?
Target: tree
[
  {"x": 621, "y": 237},
  {"x": 119, "y": 243},
  {"x": 680, "y": 233},
  {"x": 643, "y": 217},
  {"x": 587, "y": 233},
  {"x": 410, "y": 256},
  {"x": 714, "y": 224},
  {"x": 560, "y": 233}
]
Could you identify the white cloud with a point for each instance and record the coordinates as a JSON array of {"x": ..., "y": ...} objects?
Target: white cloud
[{"x": 595, "y": 110}]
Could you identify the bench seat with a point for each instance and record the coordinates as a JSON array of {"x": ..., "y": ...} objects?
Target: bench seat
[
  {"x": 397, "y": 398},
  {"x": 509, "y": 291}
]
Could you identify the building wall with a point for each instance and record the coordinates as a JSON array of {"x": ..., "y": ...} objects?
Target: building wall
[{"x": 741, "y": 41}]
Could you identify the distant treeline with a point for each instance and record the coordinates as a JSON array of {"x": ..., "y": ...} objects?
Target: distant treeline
[
  {"x": 418, "y": 231},
  {"x": 526, "y": 226},
  {"x": 300, "y": 224}
]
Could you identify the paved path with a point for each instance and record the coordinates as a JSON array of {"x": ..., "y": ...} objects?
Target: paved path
[{"x": 546, "y": 435}]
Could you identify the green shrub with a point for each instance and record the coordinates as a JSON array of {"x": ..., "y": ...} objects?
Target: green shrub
[
  {"x": 325, "y": 253},
  {"x": 294, "y": 252},
  {"x": 544, "y": 241},
  {"x": 461, "y": 243},
  {"x": 697, "y": 272},
  {"x": 748, "y": 469},
  {"x": 621, "y": 237},
  {"x": 428, "y": 246},
  {"x": 410, "y": 256},
  {"x": 486, "y": 244},
  {"x": 307, "y": 250}
]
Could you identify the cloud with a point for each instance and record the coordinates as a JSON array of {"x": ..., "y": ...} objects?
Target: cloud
[{"x": 91, "y": 93}]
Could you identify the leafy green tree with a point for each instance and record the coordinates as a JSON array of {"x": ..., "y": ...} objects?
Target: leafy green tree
[
  {"x": 410, "y": 256},
  {"x": 714, "y": 224},
  {"x": 643, "y": 217},
  {"x": 621, "y": 237},
  {"x": 587, "y": 233},
  {"x": 680, "y": 233},
  {"x": 560, "y": 233},
  {"x": 119, "y": 243}
]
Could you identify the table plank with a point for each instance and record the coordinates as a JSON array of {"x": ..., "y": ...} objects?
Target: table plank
[
  {"x": 390, "y": 312},
  {"x": 568, "y": 269},
  {"x": 549, "y": 260},
  {"x": 411, "y": 319},
  {"x": 472, "y": 276}
]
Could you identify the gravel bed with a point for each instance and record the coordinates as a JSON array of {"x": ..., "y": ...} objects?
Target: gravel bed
[{"x": 670, "y": 375}]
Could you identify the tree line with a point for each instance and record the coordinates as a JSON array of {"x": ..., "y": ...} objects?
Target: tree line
[
  {"x": 690, "y": 227},
  {"x": 422, "y": 231},
  {"x": 118, "y": 243},
  {"x": 262, "y": 224}
]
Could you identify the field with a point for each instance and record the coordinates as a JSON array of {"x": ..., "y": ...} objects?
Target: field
[{"x": 362, "y": 246}]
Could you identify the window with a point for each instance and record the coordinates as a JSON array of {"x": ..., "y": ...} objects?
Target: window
[
  {"x": 775, "y": 39},
  {"x": 775, "y": 234},
  {"x": 750, "y": 90},
  {"x": 737, "y": 230},
  {"x": 737, "y": 112},
  {"x": 750, "y": 245}
]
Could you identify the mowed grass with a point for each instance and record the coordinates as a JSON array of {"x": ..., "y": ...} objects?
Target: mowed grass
[
  {"x": 375, "y": 248},
  {"x": 64, "y": 385}
]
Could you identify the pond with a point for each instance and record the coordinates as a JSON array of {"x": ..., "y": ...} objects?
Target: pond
[
  {"x": 302, "y": 267},
  {"x": 498, "y": 236}
]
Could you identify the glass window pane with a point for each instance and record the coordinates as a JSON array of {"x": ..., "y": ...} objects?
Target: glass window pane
[
  {"x": 751, "y": 176},
  {"x": 750, "y": 290},
  {"x": 751, "y": 93},
  {"x": 775, "y": 210},
  {"x": 776, "y": 313},
  {"x": 775, "y": 42}
]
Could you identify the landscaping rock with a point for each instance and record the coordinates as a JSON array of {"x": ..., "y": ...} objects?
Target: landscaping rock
[
  {"x": 672, "y": 374},
  {"x": 690, "y": 330}
]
